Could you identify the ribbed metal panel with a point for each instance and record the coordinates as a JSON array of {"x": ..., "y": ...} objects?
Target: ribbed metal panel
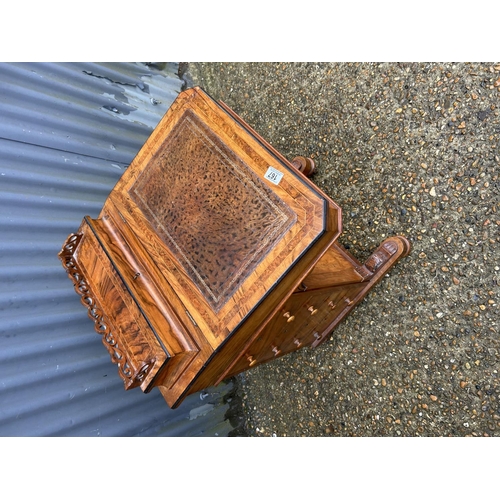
[{"x": 67, "y": 132}]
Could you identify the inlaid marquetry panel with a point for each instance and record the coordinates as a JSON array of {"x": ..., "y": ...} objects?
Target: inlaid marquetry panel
[{"x": 213, "y": 213}]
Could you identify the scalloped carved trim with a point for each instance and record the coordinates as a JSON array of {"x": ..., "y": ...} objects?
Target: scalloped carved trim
[{"x": 96, "y": 314}]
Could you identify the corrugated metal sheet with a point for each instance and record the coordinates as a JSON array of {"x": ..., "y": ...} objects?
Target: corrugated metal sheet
[{"x": 67, "y": 132}]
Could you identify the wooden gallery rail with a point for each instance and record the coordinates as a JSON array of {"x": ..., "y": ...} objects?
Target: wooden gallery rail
[{"x": 213, "y": 254}]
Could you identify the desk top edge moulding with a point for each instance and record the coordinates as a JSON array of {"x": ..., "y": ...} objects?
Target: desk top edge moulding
[{"x": 214, "y": 253}]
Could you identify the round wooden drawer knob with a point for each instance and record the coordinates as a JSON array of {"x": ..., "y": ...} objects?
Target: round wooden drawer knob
[
  {"x": 312, "y": 310},
  {"x": 251, "y": 361},
  {"x": 289, "y": 317}
]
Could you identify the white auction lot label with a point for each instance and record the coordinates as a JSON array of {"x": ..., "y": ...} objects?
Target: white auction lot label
[{"x": 273, "y": 175}]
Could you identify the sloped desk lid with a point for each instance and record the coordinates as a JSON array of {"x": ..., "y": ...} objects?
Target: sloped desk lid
[{"x": 222, "y": 214}]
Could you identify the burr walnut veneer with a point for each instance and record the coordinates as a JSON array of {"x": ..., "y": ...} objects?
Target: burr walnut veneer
[{"x": 213, "y": 254}]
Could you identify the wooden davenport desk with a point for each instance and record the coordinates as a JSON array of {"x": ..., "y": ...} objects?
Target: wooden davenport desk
[{"x": 214, "y": 254}]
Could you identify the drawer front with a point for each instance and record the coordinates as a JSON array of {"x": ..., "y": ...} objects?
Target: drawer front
[
  {"x": 306, "y": 319},
  {"x": 125, "y": 332},
  {"x": 285, "y": 332},
  {"x": 335, "y": 302}
]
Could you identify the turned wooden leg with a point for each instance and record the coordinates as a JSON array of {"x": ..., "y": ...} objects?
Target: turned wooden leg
[{"x": 304, "y": 165}]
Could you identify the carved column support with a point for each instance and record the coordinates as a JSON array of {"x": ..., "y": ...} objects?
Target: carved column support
[
  {"x": 383, "y": 253},
  {"x": 391, "y": 249},
  {"x": 377, "y": 265}
]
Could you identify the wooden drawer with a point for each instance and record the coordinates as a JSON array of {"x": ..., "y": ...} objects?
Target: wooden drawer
[
  {"x": 336, "y": 303},
  {"x": 286, "y": 332},
  {"x": 314, "y": 314},
  {"x": 125, "y": 332}
]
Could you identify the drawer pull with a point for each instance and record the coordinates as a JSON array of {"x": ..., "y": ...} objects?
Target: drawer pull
[
  {"x": 349, "y": 301},
  {"x": 332, "y": 305},
  {"x": 289, "y": 317},
  {"x": 297, "y": 342},
  {"x": 317, "y": 335},
  {"x": 312, "y": 310},
  {"x": 251, "y": 361},
  {"x": 275, "y": 350}
]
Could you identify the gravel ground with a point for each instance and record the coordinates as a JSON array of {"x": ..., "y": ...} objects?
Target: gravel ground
[{"x": 410, "y": 149}]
